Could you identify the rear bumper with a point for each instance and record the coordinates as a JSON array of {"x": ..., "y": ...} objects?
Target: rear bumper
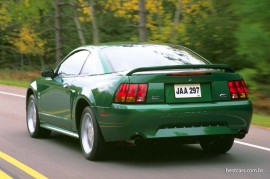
[{"x": 125, "y": 122}]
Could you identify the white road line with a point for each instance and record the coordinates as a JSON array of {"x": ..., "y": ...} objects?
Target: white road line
[
  {"x": 252, "y": 145},
  {"x": 11, "y": 94}
]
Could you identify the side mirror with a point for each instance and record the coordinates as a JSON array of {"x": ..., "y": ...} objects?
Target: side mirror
[{"x": 48, "y": 72}]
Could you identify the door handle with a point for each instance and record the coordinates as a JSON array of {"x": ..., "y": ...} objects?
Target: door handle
[{"x": 65, "y": 85}]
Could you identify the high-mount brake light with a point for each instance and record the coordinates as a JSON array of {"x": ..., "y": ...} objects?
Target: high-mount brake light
[
  {"x": 189, "y": 74},
  {"x": 131, "y": 93},
  {"x": 238, "y": 89}
]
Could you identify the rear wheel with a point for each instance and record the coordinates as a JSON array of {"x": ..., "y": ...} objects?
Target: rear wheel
[
  {"x": 218, "y": 145},
  {"x": 32, "y": 120},
  {"x": 92, "y": 142}
]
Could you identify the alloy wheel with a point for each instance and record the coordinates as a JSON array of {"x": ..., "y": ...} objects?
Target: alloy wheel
[
  {"x": 87, "y": 133},
  {"x": 31, "y": 116}
]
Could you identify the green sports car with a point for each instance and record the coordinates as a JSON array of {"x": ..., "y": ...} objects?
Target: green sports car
[{"x": 139, "y": 92}]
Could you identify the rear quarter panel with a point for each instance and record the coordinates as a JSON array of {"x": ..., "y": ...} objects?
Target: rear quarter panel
[{"x": 98, "y": 91}]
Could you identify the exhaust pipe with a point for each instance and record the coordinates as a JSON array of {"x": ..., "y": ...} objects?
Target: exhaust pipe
[
  {"x": 241, "y": 134},
  {"x": 135, "y": 140},
  {"x": 138, "y": 140}
]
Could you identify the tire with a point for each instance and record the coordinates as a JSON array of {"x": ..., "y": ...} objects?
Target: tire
[
  {"x": 91, "y": 139},
  {"x": 32, "y": 120},
  {"x": 218, "y": 145}
]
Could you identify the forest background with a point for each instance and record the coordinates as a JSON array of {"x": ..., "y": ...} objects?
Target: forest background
[{"x": 35, "y": 34}]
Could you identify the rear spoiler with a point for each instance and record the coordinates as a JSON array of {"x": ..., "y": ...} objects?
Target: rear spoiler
[{"x": 226, "y": 68}]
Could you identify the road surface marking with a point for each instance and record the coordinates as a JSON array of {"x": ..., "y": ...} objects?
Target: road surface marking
[
  {"x": 21, "y": 166},
  {"x": 4, "y": 175},
  {"x": 11, "y": 94},
  {"x": 252, "y": 145}
]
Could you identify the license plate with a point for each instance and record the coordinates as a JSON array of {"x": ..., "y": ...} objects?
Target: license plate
[{"x": 187, "y": 90}]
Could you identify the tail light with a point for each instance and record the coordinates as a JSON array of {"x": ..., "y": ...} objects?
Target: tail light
[
  {"x": 238, "y": 89},
  {"x": 131, "y": 93}
]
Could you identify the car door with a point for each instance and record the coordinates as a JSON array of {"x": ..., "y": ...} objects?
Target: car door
[{"x": 55, "y": 101}]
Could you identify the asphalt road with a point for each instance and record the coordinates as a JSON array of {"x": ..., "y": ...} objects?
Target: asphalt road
[{"x": 61, "y": 157}]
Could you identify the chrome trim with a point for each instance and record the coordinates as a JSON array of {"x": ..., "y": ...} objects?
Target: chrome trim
[{"x": 63, "y": 131}]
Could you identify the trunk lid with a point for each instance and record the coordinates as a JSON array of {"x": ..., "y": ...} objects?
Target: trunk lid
[{"x": 190, "y": 84}]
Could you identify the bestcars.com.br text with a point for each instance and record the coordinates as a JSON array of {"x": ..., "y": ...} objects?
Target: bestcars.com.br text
[{"x": 241, "y": 170}]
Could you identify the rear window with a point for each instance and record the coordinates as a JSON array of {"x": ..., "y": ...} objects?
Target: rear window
[{"x": 122, "y": 58}]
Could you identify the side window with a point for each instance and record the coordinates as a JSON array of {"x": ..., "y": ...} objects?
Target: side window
[
  {"x": 92, "y": 66},
  {"x": 73, "y": 64}
]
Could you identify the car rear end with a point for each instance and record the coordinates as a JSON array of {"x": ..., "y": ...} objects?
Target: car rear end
[{"x": 174, "y": 101}]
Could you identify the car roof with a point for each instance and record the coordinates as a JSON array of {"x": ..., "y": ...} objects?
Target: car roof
[{"x": 101, "y": 46}]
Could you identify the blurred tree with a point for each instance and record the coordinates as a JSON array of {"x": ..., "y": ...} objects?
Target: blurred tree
[
  {"x": 164, "y": 21},
  {"x": 174, "y": 32},
  {"x": 19, "y": 20},
  {"x": 142, "y": 21},
  {"x": 73, "y": 4},
  {"x": 5, "y": 19},
  {"x": 88, "y": 9},
  {"x": 253, "y": 35},
  {"x": 29, "y": 42},
  {"x": 209, "y": 27},
  {"x": 127, "y": 10},
  {"x": 58, "y": 31},
  {"x": 152, "y": 18}
]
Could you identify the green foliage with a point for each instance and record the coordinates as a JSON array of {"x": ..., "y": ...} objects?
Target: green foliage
[
  {"x": 20, "y": 38},
  {"x": 4, "y": 18},
  {"x": 224, "y": 31},
  {"x": 253, "y": 35},
  {"x": 209, "y": 29},
  {"x": 111, "y": 33}
]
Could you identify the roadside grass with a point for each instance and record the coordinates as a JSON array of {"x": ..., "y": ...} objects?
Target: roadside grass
[
  {"x": 261, "y": 120},
  {"x": 15, "y": 83},
  {"x": 17, "y": 78}
]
